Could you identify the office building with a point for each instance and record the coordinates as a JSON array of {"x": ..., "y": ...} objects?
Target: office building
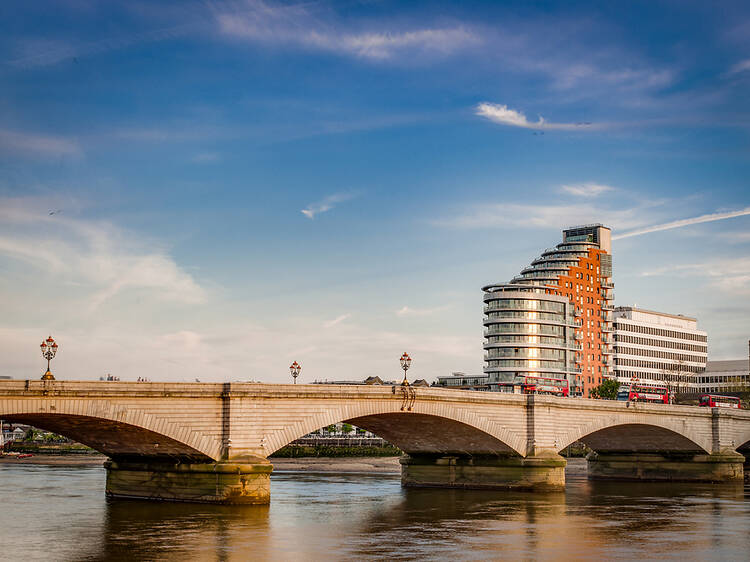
[
  {"x": 462, "y": 381},
  {"x": 554, "y": 319},
  {"x": 724, "y": 377},
  {"x": 658, "y": 349}
]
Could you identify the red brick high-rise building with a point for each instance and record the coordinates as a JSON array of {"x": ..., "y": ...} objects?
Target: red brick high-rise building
[{"x": 555, "y": 318}]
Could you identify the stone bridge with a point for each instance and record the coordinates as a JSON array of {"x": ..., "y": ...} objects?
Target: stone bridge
[{"x": 211, "y": 442}]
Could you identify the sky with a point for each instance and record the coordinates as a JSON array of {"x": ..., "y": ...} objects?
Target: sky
[{"x": 212, "y": 190}]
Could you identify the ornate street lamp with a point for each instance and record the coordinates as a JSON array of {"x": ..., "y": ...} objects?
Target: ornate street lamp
[
  {"x": 295, "y": 368},
  {"x": 49, "y": 349},
  {"x": 405, "y": 363},
  {"x": 633, "y": 382}
]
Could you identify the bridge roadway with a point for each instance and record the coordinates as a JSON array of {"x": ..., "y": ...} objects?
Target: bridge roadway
[{"x": 211, "y": 441}]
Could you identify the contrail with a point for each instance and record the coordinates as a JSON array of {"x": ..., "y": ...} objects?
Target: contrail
[{"x": 684, "y": 222}]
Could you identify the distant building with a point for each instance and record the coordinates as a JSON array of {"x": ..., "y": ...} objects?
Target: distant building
[
  {"x": 723, "y": 377},
  {"x": 368, "y": 381},
  {"x": 658, "y": 348},
  {"x": 553, "y": 320},
  {"x": 463, "y": 381}
]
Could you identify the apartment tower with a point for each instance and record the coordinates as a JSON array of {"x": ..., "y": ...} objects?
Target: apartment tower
[{"x": 554, "y": 319}]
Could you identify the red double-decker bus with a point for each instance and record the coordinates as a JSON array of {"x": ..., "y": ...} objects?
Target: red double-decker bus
[
  {"x": 715, "y": 401},
  {"x": 545, "y": 385},
  {"x": 655, "y": 394}
]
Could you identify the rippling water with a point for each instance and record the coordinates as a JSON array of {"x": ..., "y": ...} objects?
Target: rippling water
[{"x": 60, "y": 513}]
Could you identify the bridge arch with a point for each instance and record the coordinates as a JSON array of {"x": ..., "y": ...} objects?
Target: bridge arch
[
  {"x": 636, "y": 435},
  {"x": 742, "y": 441},
  {"x": 115, "y": 430},
  {"x": 429, "y": 428}
]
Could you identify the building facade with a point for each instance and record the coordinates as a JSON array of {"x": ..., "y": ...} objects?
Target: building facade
[
  {"x": 658, "y": 349},
  {"x": 724, "y": 377},
  {"x": 554, "y": 319},
  {"x": 463, "y": 381}
]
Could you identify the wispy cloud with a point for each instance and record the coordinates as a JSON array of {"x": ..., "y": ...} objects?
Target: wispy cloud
[
  {"x": 34, "y": 52},
  {"x": 97, "y": 256},
  {"x": 298, "y": 25},
  {"x": 684, "y": 222},
  {"x": 409, "y": 311},
  {"x": 206, "y": 158},
  {"x": 37, "y": 144},
  {"x": 337, "y": 320},
  {"x": 502, "y": 115},
  {"x": 731, "y": 275},
  {"x": 314, "y": 209},
  {"x": 589, "y": 189},
  {"x": 742, "y": 66},
  {"x": 517, "y": 215}
]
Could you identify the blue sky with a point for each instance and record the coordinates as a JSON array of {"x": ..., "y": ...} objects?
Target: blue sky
[{"x": 215, "y": 189}]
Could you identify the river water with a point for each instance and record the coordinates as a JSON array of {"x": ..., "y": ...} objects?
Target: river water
[{"x": 60, "y": 513}]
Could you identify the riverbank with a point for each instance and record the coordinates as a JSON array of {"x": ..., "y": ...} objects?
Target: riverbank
[
  {"x": 56, "y": 460},
  {"x": 341, "y": 465},
  {"x": 383, "y": 465}
]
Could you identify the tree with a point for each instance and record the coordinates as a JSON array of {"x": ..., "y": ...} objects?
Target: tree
[
  {"x": 347, "y": 428},
  {"x": 607, "y": 390}
]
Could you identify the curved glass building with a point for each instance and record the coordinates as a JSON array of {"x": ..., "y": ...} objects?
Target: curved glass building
[{"x": 554, "y": 318}]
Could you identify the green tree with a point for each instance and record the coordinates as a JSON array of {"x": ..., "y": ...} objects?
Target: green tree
[
  {"x": 607, "y": 390},
  {"x": 347, "y": 428}
]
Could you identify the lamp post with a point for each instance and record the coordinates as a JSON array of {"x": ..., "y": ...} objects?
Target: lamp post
[
  {"x": 295, "y": 368},
  {"x": 49, "y": 349},
  {"x": 405, "y": 363},
  {"x": 633, "y": 382}
]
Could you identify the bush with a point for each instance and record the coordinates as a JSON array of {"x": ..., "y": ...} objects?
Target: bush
[
  {"x": 607, "y": 390},
  {"x": 297, "y": 451}
]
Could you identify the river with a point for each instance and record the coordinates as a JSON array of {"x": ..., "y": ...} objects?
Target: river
[{"x": 60, "y": 513}]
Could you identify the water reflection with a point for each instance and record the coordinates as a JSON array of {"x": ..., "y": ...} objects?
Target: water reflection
[{"x": 371, "y": 517}]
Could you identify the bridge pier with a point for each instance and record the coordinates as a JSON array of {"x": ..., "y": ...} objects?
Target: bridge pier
[
  {"x": 676, "y": 467},
  {"x": 539, "y": 474},
  {"x": 220, "y": 482}
]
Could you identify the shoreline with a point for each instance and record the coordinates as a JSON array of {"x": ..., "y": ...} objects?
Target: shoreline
[{"x": 339, "y": 465}]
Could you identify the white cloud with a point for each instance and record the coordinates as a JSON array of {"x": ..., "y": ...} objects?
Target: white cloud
[
  {"x": 501, "y": 114},
  {"x": 728, "y": 275},
  {"x": 206, "y": 158},
  {"x": 516, "y": 215},
  {"x": 336, "y": 321},
  {"x": 326, "y": 204},
  {"x": 38, "y": 144},
  {"x": 684, "y": 222},
  {"x": 742, "y": 66},
  {"x": 409, "y": 311},
  {"x": 98, "y": 256},
  {"x": 589, "y": 189},
  {"x": 297, "y": 25}
]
